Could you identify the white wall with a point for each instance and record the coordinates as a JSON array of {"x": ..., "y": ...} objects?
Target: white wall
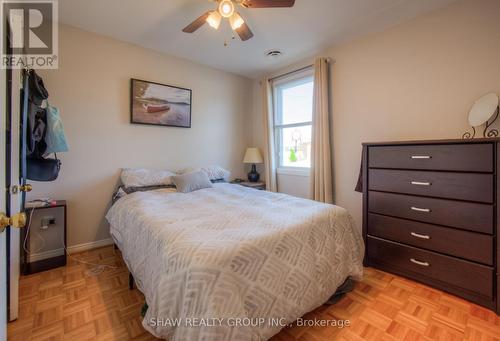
[
  {"x": 298, "y": 185},
  {"x": 414, "y": 81},
  {"x": 91, "y": 89}
]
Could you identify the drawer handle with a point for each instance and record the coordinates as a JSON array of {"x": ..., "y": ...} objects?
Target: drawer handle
[
  {"x": 413, "y": 260},
  {"x": 420, "y": 183},
  {"x": 420, "y": 209},
  {"x": 421, "y": 157},
  {"x": 421, "y": 236}
]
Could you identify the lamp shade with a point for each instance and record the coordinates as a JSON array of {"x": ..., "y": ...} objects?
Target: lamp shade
[
  {"x": 214, "y": 19},
  {"x": 253, "y": 155},
  {"x": 236, "y": 21}
]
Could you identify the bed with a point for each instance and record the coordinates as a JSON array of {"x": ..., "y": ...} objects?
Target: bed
[{"x": 232, "y": 263}]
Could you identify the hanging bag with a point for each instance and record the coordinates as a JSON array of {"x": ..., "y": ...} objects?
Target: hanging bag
[
  {"x": 40, "y": 169},
  {"x": 54, "y": 138},
  {"x": 36, "y": 125}
]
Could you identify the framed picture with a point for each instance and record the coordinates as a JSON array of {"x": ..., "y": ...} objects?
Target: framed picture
[{"x": 159, "y": 104}]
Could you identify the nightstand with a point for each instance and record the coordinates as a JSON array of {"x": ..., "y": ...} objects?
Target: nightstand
[
  {"x": 45, "y": 243},
  {"x": 255, "y": 185}
]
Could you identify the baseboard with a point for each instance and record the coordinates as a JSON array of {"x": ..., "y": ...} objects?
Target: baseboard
[
  {"x": 35, "y": 257},
  {"x": 90, "y": 246}
]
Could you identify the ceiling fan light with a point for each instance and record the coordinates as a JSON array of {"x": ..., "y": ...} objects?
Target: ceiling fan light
[
  {"x": 226, "y": 8},
  {"x": 214, "y": 19},
  {"x": 236, "y": 21}
]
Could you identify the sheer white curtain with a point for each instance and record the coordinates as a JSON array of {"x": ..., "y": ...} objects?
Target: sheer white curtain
[
  {"x": 321, "y": 165},
  {"x": 269, "y": 152}
]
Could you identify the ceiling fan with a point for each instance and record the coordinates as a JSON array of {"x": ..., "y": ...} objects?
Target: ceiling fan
[{"x": 227, "y": 9}]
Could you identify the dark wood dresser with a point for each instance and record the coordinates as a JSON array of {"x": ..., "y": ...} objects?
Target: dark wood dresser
[{"x": 430, "y": 213}]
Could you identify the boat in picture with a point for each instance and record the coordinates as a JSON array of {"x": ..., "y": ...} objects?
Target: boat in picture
[{"x": 155, "y": 108}]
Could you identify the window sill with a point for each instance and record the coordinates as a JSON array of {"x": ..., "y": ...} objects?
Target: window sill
[{"x": 305, "y": 172}]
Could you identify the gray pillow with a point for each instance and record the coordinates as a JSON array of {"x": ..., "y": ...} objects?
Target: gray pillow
[{"x": 190, "y": 182}]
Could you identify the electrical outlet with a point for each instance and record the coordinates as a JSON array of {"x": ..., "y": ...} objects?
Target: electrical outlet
[{"x": 46, "y": 222}]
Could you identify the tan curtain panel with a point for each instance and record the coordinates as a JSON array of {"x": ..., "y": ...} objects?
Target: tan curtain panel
[
  {"x": 321, "y": 165},
  {"x": 269, "y": 151}
]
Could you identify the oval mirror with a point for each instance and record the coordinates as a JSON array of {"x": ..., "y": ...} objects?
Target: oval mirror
[{"x": 483, "y": 109}]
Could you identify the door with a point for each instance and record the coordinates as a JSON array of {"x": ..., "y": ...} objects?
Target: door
[
  {"x": 12, "y": 84},
  {"x": 11, "y": 218}
]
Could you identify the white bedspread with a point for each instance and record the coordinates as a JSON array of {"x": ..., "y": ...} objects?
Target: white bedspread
[{"x": 231, "y": 255}]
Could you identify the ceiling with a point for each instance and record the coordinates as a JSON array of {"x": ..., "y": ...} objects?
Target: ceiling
[{"x": 299, "y": 32}]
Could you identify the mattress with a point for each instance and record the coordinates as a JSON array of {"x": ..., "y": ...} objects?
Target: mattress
[{"x": 232, "y": 263}]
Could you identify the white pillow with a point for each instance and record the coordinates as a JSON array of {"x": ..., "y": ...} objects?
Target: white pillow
[
  {"x": 145, "y": 177},
  {"x": 213, "y": 172}
]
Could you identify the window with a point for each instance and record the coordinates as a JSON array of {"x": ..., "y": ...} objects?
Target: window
[{"x": 293, "y": 102}]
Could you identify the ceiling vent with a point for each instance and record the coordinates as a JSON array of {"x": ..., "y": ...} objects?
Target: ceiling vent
[{"x": 274, "y": 53}]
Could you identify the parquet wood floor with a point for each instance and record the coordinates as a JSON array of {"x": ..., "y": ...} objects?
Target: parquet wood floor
[{"x": 65, "y": 304}]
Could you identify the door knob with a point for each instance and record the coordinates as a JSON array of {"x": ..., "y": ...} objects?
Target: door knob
[
  {"x": 25, "y": 188},
  {"x": 18, "y": 220},
  {"x": 21, "y": 188}
]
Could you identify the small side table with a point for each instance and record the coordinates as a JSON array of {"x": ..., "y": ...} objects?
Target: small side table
[
  {"x": 45, "y": 246},
  {"x": 255, "y": 185}
]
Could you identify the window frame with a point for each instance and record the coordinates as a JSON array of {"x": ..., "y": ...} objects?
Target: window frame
[{"x": 296, "y": 79}]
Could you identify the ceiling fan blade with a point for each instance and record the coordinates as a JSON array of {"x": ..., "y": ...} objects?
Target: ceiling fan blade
[
  {"x": 244, "y": 32},
  {"x": 267, "y": 3},
  {"x": 197, "y": 23}
]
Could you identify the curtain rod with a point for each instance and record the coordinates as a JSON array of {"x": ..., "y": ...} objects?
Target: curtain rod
[
  {"x": 297, "y": 71},
  {"x": 291, "y": 72}
]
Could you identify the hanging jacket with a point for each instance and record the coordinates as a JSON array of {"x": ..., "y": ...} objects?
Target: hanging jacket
[{"x": 37, "y": 117}]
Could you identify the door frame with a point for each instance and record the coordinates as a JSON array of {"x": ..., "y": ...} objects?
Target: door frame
[
  {"x": 14, "y": 197},
  {"x": 8, "y": 130},
  {"x": 4, "y": 274},
  {"x": 12, "y": 178}
]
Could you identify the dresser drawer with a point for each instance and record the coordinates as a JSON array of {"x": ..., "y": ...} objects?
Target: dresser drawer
[
  {"x": 457, "y": 157},
  {"x": 459, "y": 273},
  {"x": 468, "y": 245},
  {"x": 468, "y": 216},
  {"x": 462, "y": 186}
]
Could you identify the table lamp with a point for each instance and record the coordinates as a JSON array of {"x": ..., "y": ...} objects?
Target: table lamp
[{"x": 253, "y": 156}]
